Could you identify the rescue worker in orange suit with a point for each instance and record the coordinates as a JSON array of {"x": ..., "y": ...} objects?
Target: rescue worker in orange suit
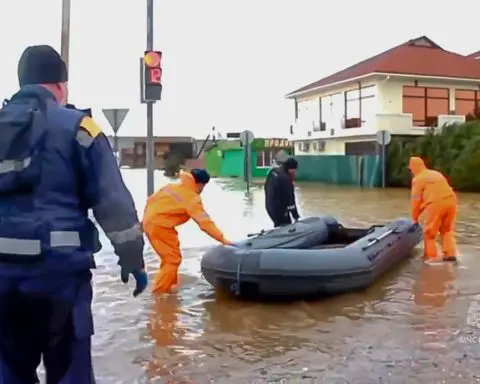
[
  {"x": 435, "y": 199},
  {"x": 55, "y": 165},
  {"x": 170, "y": 207}
]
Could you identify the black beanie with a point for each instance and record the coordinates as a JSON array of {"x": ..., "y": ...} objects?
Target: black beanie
[
  {"x": 290, "y": 163},
  {"x": 200, "y": 175},
  {"x": 41, "y": 64}
]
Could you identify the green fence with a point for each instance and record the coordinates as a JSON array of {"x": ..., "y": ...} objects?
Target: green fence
[
  {"x": 232, "y": 164},
  {"x": 343, "y": 170}
]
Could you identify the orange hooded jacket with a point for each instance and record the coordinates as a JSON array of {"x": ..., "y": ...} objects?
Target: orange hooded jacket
[
  {"x": 428, "y": 186},
  {"x": 175, "y": 204}
]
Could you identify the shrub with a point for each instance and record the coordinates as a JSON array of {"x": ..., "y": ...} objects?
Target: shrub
[
  {"x": 455, "y": 152},
  {"x": 172, "y": 163}
]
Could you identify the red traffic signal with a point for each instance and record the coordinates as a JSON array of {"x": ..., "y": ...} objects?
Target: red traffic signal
[
  {"x": 153, "y": 67},
  {"x": 152, "y": 75},
  {"x": 153, "y": 58}
]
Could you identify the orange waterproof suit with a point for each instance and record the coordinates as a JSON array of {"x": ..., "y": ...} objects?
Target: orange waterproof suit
[
  {"x": 435, "y": 198},
  {"x": 171, "y": 206}
]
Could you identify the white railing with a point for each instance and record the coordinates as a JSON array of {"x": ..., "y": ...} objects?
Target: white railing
[{"x": 397, "y": 124}]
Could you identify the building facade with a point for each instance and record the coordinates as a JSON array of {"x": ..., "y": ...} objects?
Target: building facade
[
  {"x": 404, "y": 90},
  {"x": 132, "y": 150},
  {"x": 226, "y": 158}
]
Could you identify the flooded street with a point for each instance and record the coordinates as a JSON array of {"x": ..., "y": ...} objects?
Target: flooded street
[{"x": 410, "y": 327}]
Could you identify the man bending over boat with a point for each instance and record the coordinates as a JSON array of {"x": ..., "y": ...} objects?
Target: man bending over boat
[
  {"x": 280, "y": 193},
  {"x": 170, "y": 207},
  {"x": 435, "y": 198}
]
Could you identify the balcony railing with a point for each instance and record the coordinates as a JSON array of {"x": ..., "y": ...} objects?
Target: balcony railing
[{"x": 399, "y": 124}]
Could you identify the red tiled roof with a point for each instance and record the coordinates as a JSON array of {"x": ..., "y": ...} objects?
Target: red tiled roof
[
  {"x": 419, "y": 56},
  {"x": 474, "y": 55}
]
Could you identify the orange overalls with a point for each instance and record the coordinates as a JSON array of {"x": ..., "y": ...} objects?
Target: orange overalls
[
  {"x": 435, "y": 198},
  {"x": 171, "y": 206}
]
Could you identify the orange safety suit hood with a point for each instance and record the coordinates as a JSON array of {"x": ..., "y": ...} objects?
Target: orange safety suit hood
[
  {"x": 416, "y": 165},
  {"x": 187, "y": 180}
]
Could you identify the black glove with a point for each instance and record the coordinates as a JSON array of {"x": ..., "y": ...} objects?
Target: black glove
[
  {"x": 131, "y": 261},
  {"x": 141, "y": 278}
]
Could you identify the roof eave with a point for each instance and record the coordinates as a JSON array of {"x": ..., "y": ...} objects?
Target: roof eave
[
  {"x": 295, "y": 94},
  {"x": 410, "y": 75}
]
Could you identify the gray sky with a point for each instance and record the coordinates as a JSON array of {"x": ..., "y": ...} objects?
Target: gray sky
[{"x": 226, "y": 63}]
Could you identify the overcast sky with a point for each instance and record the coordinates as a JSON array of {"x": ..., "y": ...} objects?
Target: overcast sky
[{"x": 227, "y": 63}]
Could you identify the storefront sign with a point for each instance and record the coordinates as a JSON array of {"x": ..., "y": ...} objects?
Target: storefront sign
[{"x": 278, "y": 143}]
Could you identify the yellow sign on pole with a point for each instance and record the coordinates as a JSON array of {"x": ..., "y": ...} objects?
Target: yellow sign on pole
[{"x": 278, "y": 143}]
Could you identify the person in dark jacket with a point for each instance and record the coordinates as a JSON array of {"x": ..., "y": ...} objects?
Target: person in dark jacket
[
  {"x": 280, "y": 193},
  {"x": 55, "y": 165}
]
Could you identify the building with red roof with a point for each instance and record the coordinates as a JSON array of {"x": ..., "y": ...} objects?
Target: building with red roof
[
  {"x": 474, "y": 55},
  {"x": 404, "y": 90}
]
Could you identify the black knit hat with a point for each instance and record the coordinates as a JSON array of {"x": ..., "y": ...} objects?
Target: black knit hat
[
  {"x": 41, "y": 64},
  {"x": 290, "y": 163},
  {"x": 200, "y": 175}
]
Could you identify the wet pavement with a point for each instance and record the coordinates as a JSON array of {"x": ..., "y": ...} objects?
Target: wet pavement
[{"x": 412, "y": 326}]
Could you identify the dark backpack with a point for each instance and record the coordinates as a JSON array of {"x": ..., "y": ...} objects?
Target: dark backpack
[{"x": 23, "y": 127}]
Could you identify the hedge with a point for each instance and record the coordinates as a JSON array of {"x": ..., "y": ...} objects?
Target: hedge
[{"x": 455, "y": 151}]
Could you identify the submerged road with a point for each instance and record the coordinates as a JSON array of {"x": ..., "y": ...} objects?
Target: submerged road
[{"x": 412, "y": 326}]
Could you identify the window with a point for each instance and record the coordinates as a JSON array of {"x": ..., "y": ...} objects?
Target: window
[
  {"x": 321, "y": 125},
  {"x": 338, "y": 109},
  {"x": 425, "y": 104},
  {"x": 359, "y": 106},
  {"x": 140, "y": 149},
  {"x": 466, "y": 101},
  {"x": 352, "y": 108},
  {"x": 368, "y": 108},
  {"x": 361, "y": 148},
  {"x": 415, "y": 106},
  {"x": 266, "y": 157},
  {"x": 326, "y": 111},
  {"x": 302, "y": 108},
  {"x": 309, "y": 112},
  {"x": 315, "y": 114}
]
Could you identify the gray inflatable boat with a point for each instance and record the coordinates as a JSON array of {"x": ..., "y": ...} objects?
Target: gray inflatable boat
[{"x": 312, "y": 257}]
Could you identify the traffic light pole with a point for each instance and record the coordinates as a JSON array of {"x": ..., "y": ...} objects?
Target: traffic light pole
[
  {"x": 65, "y": 36},
  {"x": 150, "y": 141}
]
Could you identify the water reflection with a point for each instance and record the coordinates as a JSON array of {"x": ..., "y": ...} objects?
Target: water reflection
[
  {"x": 404, "y": 329},
  {"x": 433, "y": 285}
]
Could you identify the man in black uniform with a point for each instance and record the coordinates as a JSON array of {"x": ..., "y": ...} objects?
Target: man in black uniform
[
  {"x": 55, "y": 165},
  {"x": 280, "y": 193}
]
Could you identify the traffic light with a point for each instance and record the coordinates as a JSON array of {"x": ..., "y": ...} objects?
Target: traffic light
[{"x": 152, "y": 68}]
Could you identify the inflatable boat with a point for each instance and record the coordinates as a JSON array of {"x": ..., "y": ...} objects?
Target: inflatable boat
[{"x": 316, "y": 256}]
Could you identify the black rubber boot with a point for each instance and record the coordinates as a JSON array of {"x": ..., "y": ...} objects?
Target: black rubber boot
[{"x": 449, "y": 258}]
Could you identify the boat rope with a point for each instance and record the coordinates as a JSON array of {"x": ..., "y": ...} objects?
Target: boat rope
[{"x": 236, "y": 286}]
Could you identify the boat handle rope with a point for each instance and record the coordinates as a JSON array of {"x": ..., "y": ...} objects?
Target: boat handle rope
[
  {"x": 235, "y": 287},
  {"x": 378, "y": 239}
]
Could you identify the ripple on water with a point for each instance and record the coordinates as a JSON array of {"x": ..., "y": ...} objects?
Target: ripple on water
[{"x": 410, "y": 327}]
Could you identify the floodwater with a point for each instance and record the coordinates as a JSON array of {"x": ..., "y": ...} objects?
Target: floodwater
[{"x": 410, "y": 327}]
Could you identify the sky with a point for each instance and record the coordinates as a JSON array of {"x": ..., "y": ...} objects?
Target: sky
[{"x": 227, "y": 63}]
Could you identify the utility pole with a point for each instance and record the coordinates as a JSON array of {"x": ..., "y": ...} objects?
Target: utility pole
[
  {"x": 150, "y": 142},
  {"x": 65, "y": 37}
]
